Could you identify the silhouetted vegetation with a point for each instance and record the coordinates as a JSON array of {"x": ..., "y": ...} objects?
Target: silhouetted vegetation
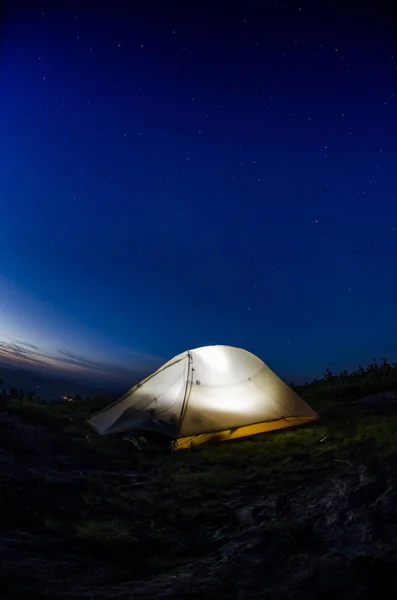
[{"x": 346, "y": 387}]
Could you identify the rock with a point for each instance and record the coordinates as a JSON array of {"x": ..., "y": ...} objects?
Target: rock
[
  {"x": 54, "y": 478},
  {"x": 264, "y": 510},
  {"x": 385, "y": 505},
  {"x": 7, "y": 462},
  {"x": 380, "y": 400},
  {"x": 180, "y": 548},
  {"x": 220, "y": 534},
  {"x": 245, "y": 515},
  {"x": 241, "y": 543}
]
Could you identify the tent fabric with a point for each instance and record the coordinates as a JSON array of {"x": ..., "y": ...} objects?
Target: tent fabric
[
  {"x": 240, "y": 432},
  {"x": 210, "y": 393}
]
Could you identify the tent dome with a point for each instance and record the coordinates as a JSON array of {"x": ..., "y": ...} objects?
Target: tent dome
[{"x": 212, "y": 392}]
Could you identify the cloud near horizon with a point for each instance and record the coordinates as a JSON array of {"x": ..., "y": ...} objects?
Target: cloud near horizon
[{"x": 65, "y": 362}]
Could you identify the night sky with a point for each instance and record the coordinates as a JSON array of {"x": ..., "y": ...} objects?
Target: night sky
[{"x": 185, "y": 176}]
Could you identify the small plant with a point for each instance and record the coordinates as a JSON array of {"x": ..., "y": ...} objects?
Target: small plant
[{"x": 106, "y": 533}]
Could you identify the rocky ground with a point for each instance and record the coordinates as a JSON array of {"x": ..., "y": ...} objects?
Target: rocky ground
[{"x": 304, "y": 514}]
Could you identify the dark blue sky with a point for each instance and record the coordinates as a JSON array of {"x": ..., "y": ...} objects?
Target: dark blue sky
[{"x": 177, "y": 177}]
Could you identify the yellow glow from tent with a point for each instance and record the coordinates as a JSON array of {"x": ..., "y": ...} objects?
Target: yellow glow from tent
[{"x": 217, "y": 358}]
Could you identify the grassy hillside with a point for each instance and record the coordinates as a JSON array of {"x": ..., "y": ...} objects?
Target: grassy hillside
[{"x": 303, "y": 512}]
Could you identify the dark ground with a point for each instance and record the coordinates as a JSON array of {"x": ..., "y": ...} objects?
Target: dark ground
[{"x": 306, "y": 513}]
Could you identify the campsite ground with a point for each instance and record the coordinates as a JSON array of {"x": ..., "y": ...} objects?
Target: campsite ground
[{"x": 303, "y": 513}]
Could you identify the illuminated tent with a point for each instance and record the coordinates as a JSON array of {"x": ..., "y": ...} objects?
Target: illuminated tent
[{"x": 210, "y": 393}]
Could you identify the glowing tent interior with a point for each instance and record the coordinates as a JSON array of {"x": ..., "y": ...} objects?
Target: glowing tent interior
[{"x": 211, "y": 393}]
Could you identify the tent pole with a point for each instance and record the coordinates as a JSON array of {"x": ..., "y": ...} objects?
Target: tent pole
[{"x": 186, "y": 396}]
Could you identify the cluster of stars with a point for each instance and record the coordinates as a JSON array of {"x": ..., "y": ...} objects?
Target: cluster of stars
[{"x": 287, "y": 125}]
